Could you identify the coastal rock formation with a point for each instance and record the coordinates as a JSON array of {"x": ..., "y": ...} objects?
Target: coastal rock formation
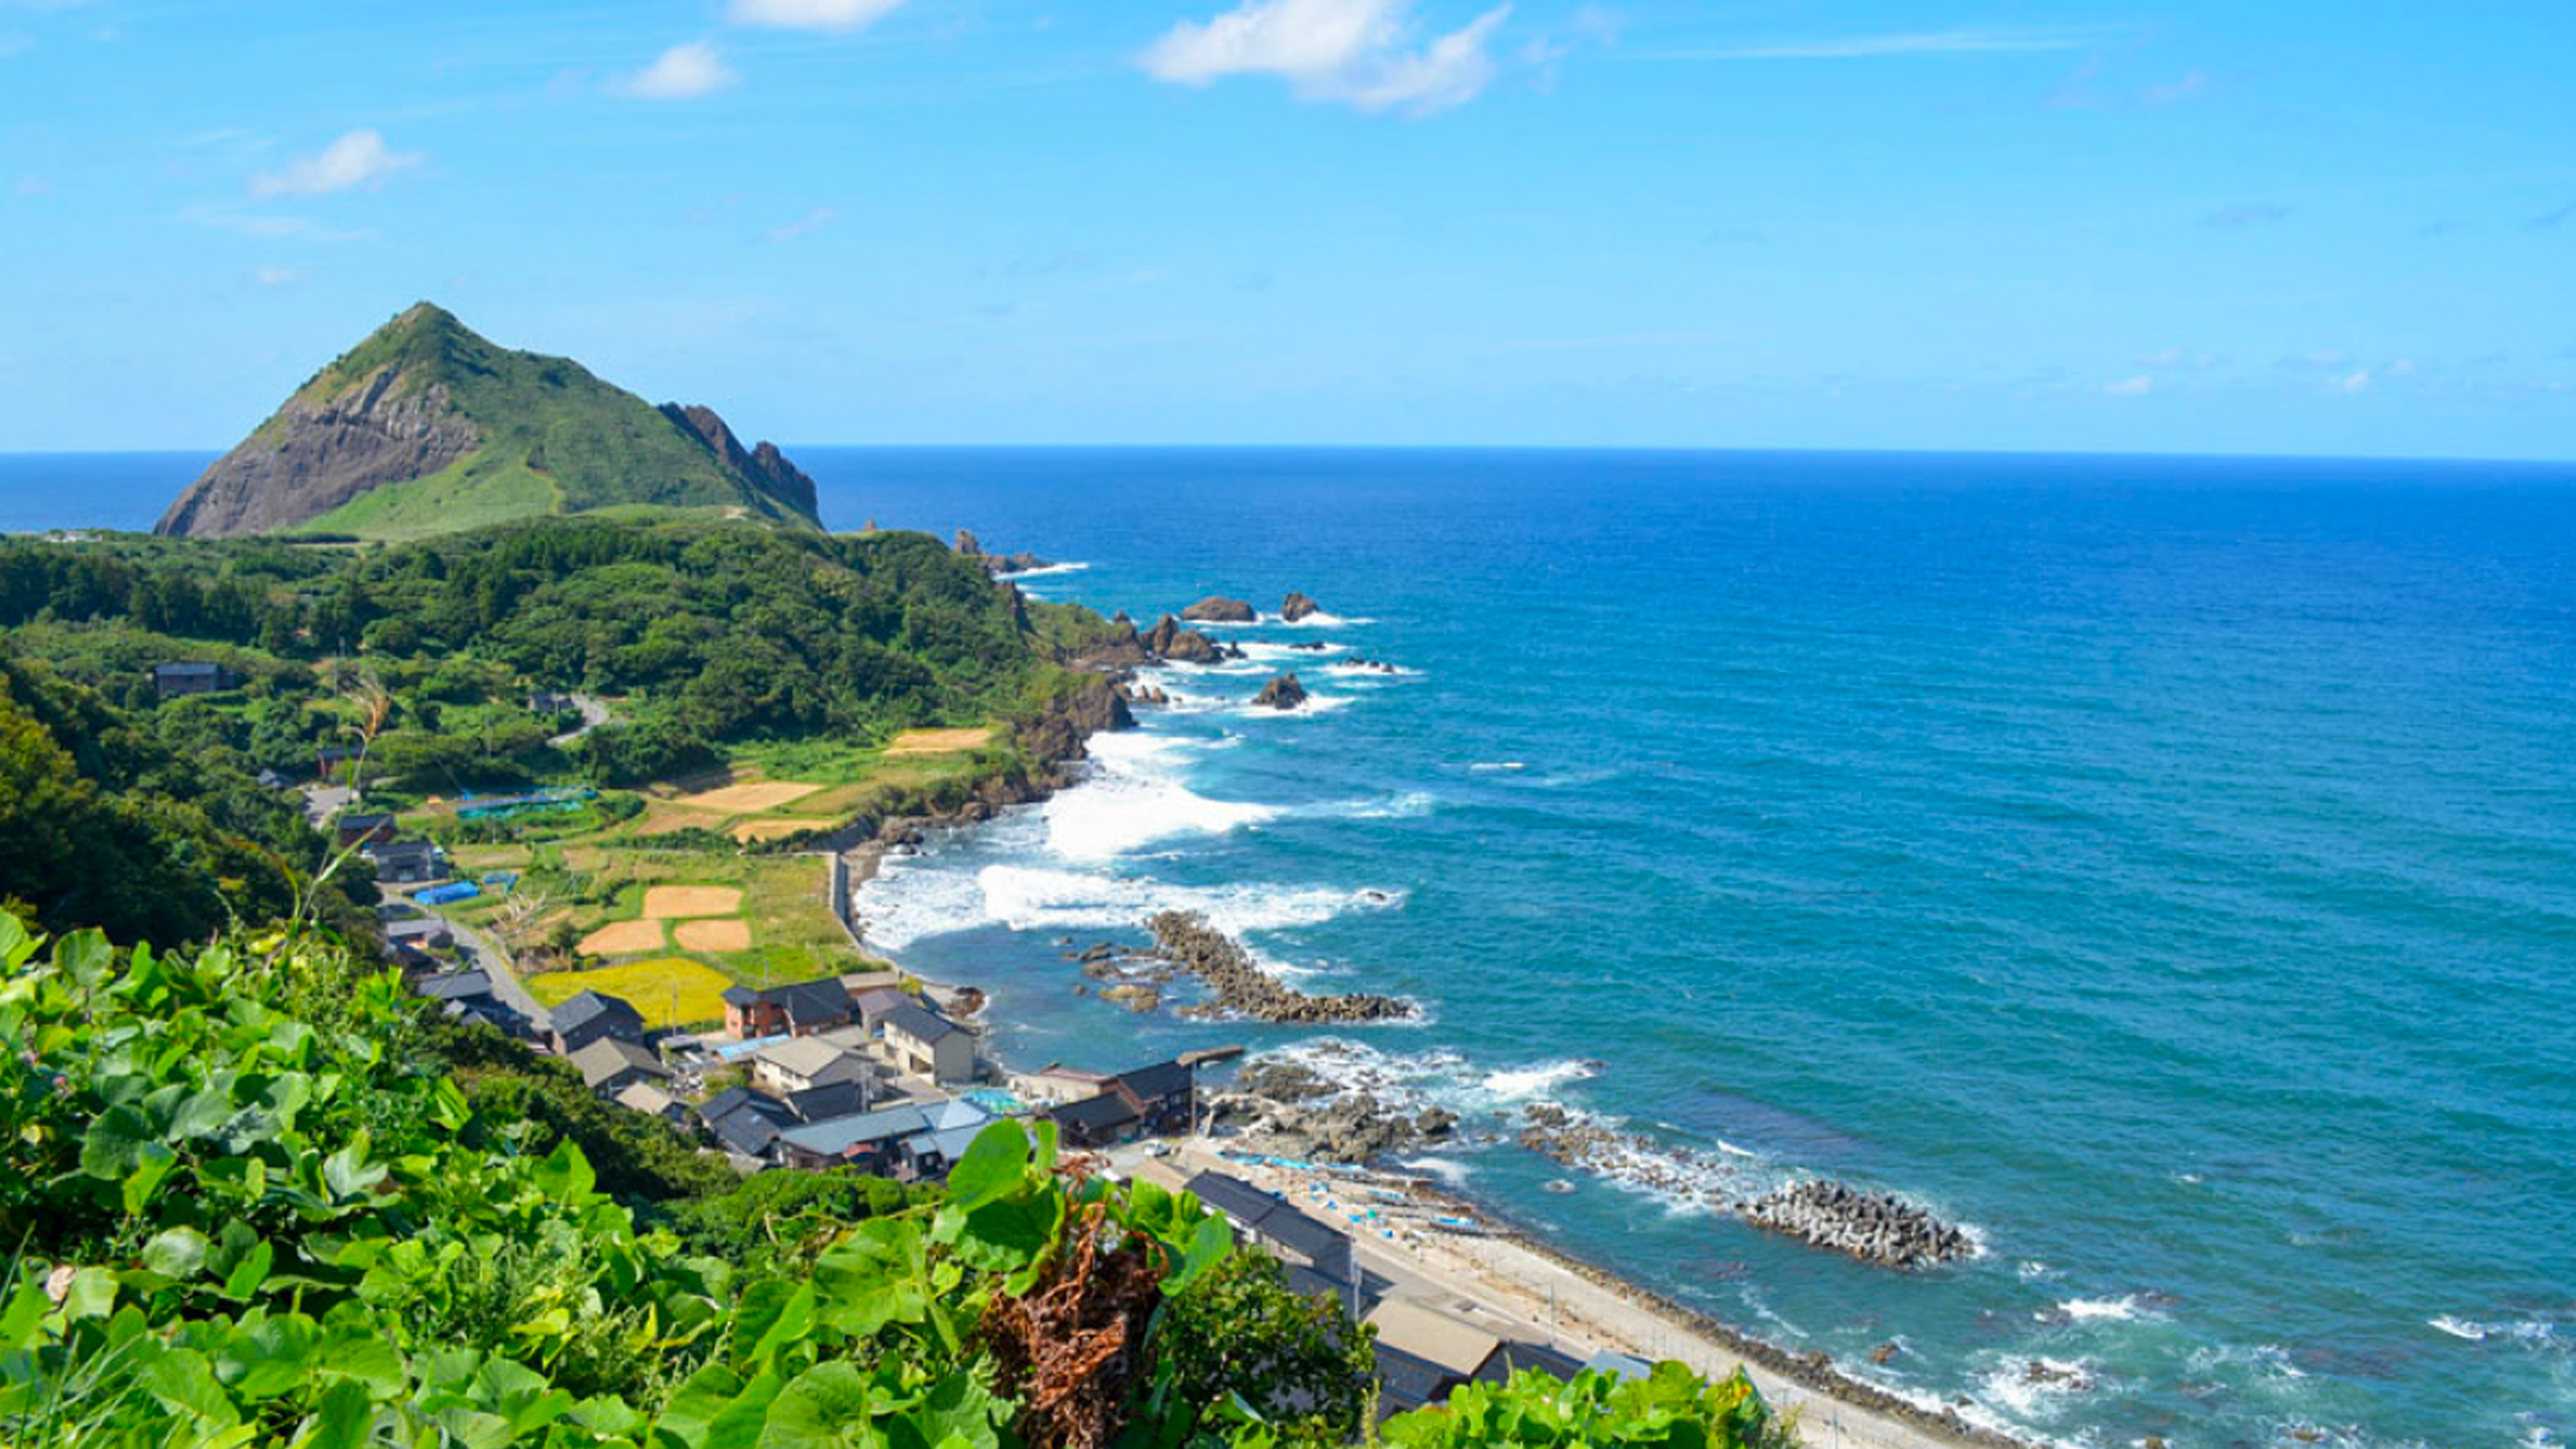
[
  {"x": 1282, "y": 692},
  {"x": 1217, "y": 609},
  {"x": 969, "y": 546},
  {"x": 321, "y": 451},
  {"x": 1580, "y": 1142},
  {"x": 1298, "y": 606},
  {"x": 1056, "y": 733},
  {"x": 1185, "y": 939},
  {"x": 764, "y": 465},
  {"x": 1168, "y": 640},
  {"x": 1875, "y": 1227}
]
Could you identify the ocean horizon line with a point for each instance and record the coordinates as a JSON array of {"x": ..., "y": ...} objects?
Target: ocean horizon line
[{"x": 1551, "y": 450}]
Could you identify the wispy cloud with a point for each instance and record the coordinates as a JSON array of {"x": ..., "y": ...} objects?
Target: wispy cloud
[
  {"x": 360, "y": 158},
  {"x": 31, "y": 184},
  {"x": 2190, "y": 85},
  {"x": 276, "y": 276},
  {"x": 804, "y": 226},
  {"x": 2357, "y": 381},
  {"x": 1962, "y": 40},
  {"x": 813, "y": 14},
  {"x": 2138, "y": 386},
  {"x": 1359, "y": 53},
  {"x": 2239, "y": 217},
  {"x": 2549, "y": 219},
  {"x": 684, "y": 72}
]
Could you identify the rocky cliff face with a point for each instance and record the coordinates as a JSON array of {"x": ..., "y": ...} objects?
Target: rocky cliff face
[
  {"x": 319, "y": 453},
  {"x": 767, "y": 468}
]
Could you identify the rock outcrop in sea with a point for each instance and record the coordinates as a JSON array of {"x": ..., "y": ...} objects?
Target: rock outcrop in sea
[
  {"x": 1282, "y": 692},
  {"x": 1185, "y": 939},
  {"x": 1218, "y": 609},
  {"x": 1167, "y": 640},
  {"x": 968, "y": 546},
  {"x": 1298, "y": 606},
  {"x": 1875, "y": 1227},
  {"x": 1295, "y": 1110}
]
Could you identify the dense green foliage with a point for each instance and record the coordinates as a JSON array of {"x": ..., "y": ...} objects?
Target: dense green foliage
[
  {"x": 139, "y": 813},
  {"x": 714, "y": 633},
  {"x": 105, "y": 822},
  {"x": 250, "y": 1207}
]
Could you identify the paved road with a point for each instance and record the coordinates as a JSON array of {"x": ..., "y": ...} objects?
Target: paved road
[
  {"x": 593, "y": 715},
  {"x": 321, "y": 802},
  {"x": 480, "y": 952}
]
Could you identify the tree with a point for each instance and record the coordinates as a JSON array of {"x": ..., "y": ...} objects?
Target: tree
[{"x": 1297, "y": 1361}]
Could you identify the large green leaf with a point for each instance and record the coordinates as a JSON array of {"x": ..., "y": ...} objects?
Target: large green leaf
[
  {"x": 829, "y": 1406},
  {"x": 176, "y": 1253}
]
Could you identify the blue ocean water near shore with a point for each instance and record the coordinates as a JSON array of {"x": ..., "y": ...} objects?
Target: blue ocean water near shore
[{"x": 2167, "y": 867}]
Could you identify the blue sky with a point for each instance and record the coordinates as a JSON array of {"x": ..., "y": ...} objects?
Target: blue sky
[{"x": 2179, "y": 226}]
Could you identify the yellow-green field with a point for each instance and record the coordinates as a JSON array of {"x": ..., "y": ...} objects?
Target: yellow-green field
[{"x": 671, "y": 991}]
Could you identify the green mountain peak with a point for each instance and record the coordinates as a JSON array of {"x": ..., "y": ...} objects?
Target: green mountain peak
[{"x": 426, "y": 426}]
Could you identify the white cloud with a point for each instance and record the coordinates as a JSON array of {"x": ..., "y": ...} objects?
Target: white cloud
[
  {"x": 1962, "y": 41},
  {"x": 1357, "y": 52},
  {"x": 360, "y": 158},
  {"x": 32, "y": 184},
  {"x": 681, "y": 73},
  {"x": 806, "y": 225},
  {"x": 276, "y": 276},
  {"x": 2353, "y": 382},
  {"x": 813, "y": 14},
  {"x": 2138, "y": 386}
]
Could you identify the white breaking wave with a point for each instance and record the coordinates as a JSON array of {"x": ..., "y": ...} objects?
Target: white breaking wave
[
  {"x": 1490, "y": 766},
  {"x": 1050, "y": 571},
  {"x": 1319, "y": 619},
  {"x": 1135, "y": 797},
  {"x": 1527, "y": 1082},
  {"x": 909, "y": 903},
  {"x": 1261, "y": 649},
  {"x": 2125, "y": 1308},
  {"x": 1405, "y": 806},
  {"x": 1352, "y": 669},
  {"x": 2535, "y": 1332}
]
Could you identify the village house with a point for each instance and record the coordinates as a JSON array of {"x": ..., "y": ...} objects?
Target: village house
[
  {"x": 876, "y": 1003},
  {"x": 1291, "y": 1235},
  {"x": 652, "y": 1101},
  {"x": 911, "y": 1143},
  {"x": 609, "y": 1065},
  {"x": 590, "y": 1016},
  {"x": 351, "y": 830},
  {"x": 744, "y": 1122},
  {"x": 1096, "y": 1122},
  {"x": 174, "y": 681},
  {"x": 414, "y": 942},
  {"x": 549, "y": 701},
  {"x": 929, "y": 1045},
  {"x": 330, "y": 760},
  {"x": 453, "y": 985},
  {"x": 1161, "y": 1095},
  {"x": 1424, "y": 1352},
  {"x": 802, "y": 1009},
  {"x": 407, "y": 862},
  {"x": 1057, "y": 1083},
  {"x": 802, "y": 1063}
]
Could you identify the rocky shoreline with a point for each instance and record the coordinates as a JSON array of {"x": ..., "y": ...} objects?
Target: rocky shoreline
[
  {"x": 1295, "y": 1110},
  {"x": 1186, "y": 940}
]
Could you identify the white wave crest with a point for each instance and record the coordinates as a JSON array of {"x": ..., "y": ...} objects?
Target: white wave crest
[
  {"x": 1135, "y": 797},
  {"x": 1046, "y": 572},
  {"x": 1263, "y": 649},
  {"x": 1408, "y": 805},
  {"x": 1527, "y": 1082},
  {"x": 2125, "y": 1308},
  {"x": 1313, "y": 705}
]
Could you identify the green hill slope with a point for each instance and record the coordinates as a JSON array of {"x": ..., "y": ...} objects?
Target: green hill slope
[{"x": 426, "y": 427}]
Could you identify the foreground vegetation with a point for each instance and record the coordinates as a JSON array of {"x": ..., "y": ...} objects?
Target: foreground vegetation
[{"x": 258, "y": 1197}]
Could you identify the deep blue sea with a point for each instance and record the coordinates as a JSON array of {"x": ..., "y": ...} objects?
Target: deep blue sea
[{"x": 2167, "y": 867}]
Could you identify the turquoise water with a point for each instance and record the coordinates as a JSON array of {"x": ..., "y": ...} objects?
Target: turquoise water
[{"x": 2168, "y": 868}]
